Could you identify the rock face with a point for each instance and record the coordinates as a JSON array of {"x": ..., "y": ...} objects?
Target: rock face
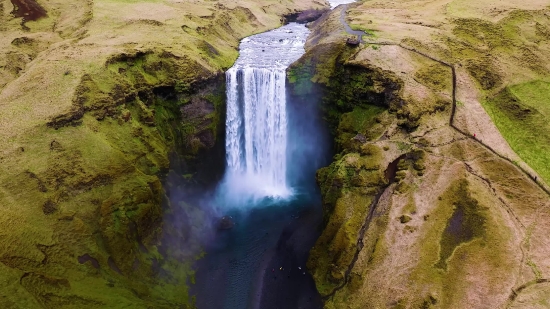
[
  {"x": 100, "y": 100},
  {"x": 453, "y": 223},
  {"x": 226, "y": 223}
]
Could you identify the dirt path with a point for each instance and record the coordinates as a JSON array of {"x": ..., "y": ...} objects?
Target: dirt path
[{"x": 348, "y": 29}]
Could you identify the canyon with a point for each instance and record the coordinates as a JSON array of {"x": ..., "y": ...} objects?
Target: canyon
[{"x": 432, "y": 191}]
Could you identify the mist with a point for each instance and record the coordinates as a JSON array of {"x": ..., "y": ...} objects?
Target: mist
[{"x": 309, "y": 141}]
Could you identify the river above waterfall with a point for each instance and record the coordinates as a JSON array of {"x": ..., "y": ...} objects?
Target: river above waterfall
[
  {"x": 269, "y": 189},
  {"x": 335, "y": 3}
]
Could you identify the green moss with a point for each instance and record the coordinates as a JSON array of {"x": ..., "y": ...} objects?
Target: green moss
[
  {"x": 402, "y": 186},
  {"x": 535, "y": 269},
  {"x": 348, "y": 187},
  {"x": 435, "y": 76},
  {"x": 360, "y": 119},
  {"x": 370, "y": 32},
  {"x": 418, "y": 158},
  {"x": 353, "y": 96},
  {"x": 108, "y": 197},
  {"x": 480, "y": 33},
  {"x": 299, "y": 76},
  {"x": 116, "y": 116},
  {"x": 485, "y": 72}
]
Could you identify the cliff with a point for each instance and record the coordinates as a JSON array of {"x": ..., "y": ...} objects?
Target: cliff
[
  {"x": 96, "y": 97},
  {"x": 432, "y": 200}
]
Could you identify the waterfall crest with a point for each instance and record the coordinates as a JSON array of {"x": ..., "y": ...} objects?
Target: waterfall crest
[{"x": 256, "y": 123}]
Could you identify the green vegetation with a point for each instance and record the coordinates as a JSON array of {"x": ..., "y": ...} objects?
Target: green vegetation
[
  {"x": 535, "y": 268},
  {"x": 360, "y": 120},
  {"x": 111, "y": 90},
  {"x": 521, "y": 113},
  {"x": 348, "y": 187},
  {"x": 370, "y": 32},
  {"x": 435, "y": 76},
  {"x": 299, "y": 76},
  {"x": 121, "y": 114}
]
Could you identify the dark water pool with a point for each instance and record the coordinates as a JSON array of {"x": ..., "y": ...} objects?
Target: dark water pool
[{"x": 260, "y": 263}]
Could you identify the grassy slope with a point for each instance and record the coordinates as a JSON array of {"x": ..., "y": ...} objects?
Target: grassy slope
[
  {"x": 474, "y": 223},
  {"x": 88, "y": 182},
  {"x": 501, "y": 45},
  {"x": 521, "y": 113}
]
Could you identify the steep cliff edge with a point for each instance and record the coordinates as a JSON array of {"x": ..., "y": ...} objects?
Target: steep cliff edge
[
  {"x": 419, "y": 211},
  {"x": 95, "y": 98}
]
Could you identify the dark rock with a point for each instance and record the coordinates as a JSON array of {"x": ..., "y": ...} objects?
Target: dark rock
[
  {"x": 49, "y": 207},
  {"x": 306, "y": 16},
  {"x": 361, "y": 138},
  {"x": 55, "y": 145},
  {"x": 226, "y": 223},
  {"x": 86, "y": 257},
  {"x": 352, "y": 41},
  {"x": 28, "y": 9}
]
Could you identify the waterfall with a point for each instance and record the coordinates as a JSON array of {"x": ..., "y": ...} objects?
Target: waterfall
[
  {"x": 257, "y": 128},
  {"x": 256, "y": 123}
]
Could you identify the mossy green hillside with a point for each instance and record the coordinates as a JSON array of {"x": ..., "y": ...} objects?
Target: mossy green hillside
[
  {"x": 348, "y": 186},
  {"x": 117, "y": 200},
  {"x": 434, "y": 76},
  {"x": 367, "y": 121},
  {"x": 355, "y": 101},
  {"x": 129, "y": 112},
  {"x": 95, "y": 100},
  {"x": 521, "y": 113},
  {"x": 462, "y": 249}
]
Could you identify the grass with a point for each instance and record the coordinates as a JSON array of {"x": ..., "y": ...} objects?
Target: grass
[
  {"x": 361, "y": 120},
  {"x": 521, "y": 113},
  {"x": 435, "y": 76},
  {"x": 370, "y": 32},
  {"x": 348, "y": 187}
]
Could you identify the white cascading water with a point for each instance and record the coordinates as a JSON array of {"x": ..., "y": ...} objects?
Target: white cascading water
[{"x": 256, "y": 124}]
